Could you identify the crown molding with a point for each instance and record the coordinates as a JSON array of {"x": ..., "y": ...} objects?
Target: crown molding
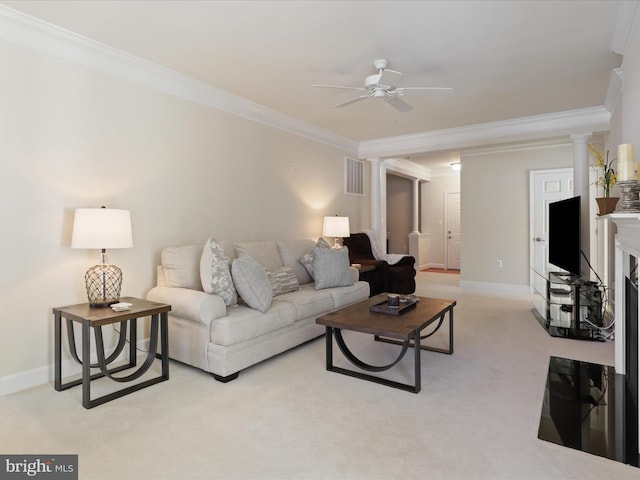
[
  {"x": 594, "y": 119},
  {"x": 614, "y": 90},
  {"x": 407, "y": 168},
  {"x": 627, "y": 26},
  {"x": 27, "y": 31},
  {"x": 519, "y": 147}
]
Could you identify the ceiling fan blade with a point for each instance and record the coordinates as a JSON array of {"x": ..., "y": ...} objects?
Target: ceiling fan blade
[
  {"x": 339, "y": 86},
  {"x": 398, "y": 104},
  {"x": 433, "y": 91},
  {"x": 353, "y": 100},
  {"x": 389, "y": 77}
]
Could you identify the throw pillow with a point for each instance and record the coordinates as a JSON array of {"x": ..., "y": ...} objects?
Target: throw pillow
[
  {"x": 282, "y": 280},
  {"x": 265, "y": 253},
  {"x": 331, "y": 267},
  {"x": 290, "y": 251},
  {"x": 307, "y": 259},
  {"x": 180, "y": 266},
  {"x": 252, "y": 282},
  {"x": 215, "y": 274}
]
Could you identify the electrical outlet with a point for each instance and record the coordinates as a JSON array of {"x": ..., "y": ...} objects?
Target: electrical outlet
[{"x": 499, "y": 263}]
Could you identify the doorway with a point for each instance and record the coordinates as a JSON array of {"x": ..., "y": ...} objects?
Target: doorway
[
  {"x": 452, "y": 230},
  {"x": 548, "y": 186}
]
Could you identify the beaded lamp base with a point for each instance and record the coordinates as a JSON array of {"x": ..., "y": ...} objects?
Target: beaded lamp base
[{"x": 103, "y": 285}]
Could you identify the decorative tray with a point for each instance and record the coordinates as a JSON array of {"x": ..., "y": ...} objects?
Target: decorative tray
[{"x": 383, "y": 307}]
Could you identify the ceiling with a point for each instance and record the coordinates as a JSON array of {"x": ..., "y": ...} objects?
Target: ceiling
[{"x": 505, "y": 59}]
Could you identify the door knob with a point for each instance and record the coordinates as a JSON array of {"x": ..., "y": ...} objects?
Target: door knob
[{"x": 538, "y": 239}]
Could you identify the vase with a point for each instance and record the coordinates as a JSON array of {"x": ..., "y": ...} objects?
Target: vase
[{"x": 606, "y": 204}]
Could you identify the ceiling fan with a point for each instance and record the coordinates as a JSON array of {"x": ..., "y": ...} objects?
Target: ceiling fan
[{"x": 383, "y": 85}]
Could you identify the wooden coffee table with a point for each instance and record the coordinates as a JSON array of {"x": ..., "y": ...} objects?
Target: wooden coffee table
[{"x": 404, "y": 329}]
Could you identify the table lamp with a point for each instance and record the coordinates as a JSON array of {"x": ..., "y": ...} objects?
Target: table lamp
[
  {"x": 102, "y": 228},
  {"x": 336, "y": 227}
]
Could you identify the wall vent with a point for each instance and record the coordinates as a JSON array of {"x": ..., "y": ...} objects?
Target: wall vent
[{"x": 353, "y": 176}]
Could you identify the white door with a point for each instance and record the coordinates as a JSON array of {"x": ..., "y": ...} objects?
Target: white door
[
  {"x": 452, "y": 239},
  {"x": 547, "y": 186}
]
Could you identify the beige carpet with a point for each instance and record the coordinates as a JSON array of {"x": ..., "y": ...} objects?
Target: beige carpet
[{"x": 476, "y": 417}]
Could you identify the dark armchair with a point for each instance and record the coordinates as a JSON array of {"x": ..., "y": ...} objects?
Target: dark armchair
[{"x": 399, "y": 277}]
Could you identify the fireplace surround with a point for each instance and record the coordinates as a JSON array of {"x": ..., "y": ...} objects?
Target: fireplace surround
[{"x": 627, "y": 253}]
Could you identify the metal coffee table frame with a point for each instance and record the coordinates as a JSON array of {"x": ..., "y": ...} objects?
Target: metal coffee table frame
[{"x": 412, "y": 339}]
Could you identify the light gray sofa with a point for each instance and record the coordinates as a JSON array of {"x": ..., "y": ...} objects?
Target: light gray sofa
[{"x": 206, "y": 333}]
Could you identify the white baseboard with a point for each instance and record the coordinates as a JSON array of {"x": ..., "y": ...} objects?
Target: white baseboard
[
  {"x": 431, "y": 265},
  {"x": 41, "y": 376}
]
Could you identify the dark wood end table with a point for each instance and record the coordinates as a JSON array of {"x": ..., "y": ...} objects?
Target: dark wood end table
[
  {"x": 96, "y": 318},
  {"x": 404, "y": 329}
]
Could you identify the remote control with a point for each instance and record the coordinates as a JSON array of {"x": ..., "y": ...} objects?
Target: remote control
[{"x": 122, "y": 305}]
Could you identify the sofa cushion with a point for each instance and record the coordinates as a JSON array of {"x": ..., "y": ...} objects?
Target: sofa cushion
[
  {"x": 282, "y": 280},
  {"x": 265, "y": 253},
  {"x": 306, "y": 259},
  {"x": 252, "y": 282},
  {"x": 331, "y": 267},
  {"x": 242, "y": 323},
  {"x": 290, "y": 251},
  {"x": 343, "y": 296},
  {"x": 215, "y": 274},
  {"x": 309, "y": 302},
  {"x": 181, "y": 266}
]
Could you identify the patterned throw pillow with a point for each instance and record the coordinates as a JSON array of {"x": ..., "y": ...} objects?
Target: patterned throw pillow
[
  {"x": 331, "y": 268},
  {"x": 214, "y": 272},
  {"x": 307, "y": 259},
  {"x": 252, "y": 282},
  {"x": 282, "y": 280}
]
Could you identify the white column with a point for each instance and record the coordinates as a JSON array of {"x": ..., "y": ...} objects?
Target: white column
[
  {"x": 382, "y": 233},
  {"x": 621, "y": 270},
  {"x": 416, "y": 206},
  {"x": 581, "y": 187},
  {"x": 375, "y": 193}
]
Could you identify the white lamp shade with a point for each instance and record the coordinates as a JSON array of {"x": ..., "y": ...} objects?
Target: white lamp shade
[
  {"x": 336, "y": 227},
  {"x": 101, "y": 228}
]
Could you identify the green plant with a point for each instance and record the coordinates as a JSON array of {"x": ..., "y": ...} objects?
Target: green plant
[{"x": 609, "y": 177}]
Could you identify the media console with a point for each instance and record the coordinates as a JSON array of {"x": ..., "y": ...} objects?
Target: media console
[{"x": 569, "y": 306}]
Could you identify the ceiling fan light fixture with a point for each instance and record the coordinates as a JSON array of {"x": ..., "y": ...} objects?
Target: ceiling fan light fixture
[{"x": 383, "y": 85}]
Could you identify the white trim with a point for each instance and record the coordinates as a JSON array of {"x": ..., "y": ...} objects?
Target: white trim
[
  {"x": 557, "y": 124},
  {"x": 432, "y": 265},
  {"x": 614, "y": 90},
  {"x": 45, "y": 375},
  {"x": 24, "y": 380},
  {"x": 626, "y": 26},
  {"x": 538, "y": 145},
  {"x": 446, "y": 228},
  {"x": 407, "y": 168},
  {"x": 27, "y": 31}
]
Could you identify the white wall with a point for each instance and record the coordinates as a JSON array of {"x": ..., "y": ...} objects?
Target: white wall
[
  {"x": 72, "y": 137},
  {"x": 494, "y": 196},
  {"x": 432, "y": 214}
]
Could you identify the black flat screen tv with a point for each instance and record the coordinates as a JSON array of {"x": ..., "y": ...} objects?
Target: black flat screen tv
[{"x": 564, "y": 235}]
